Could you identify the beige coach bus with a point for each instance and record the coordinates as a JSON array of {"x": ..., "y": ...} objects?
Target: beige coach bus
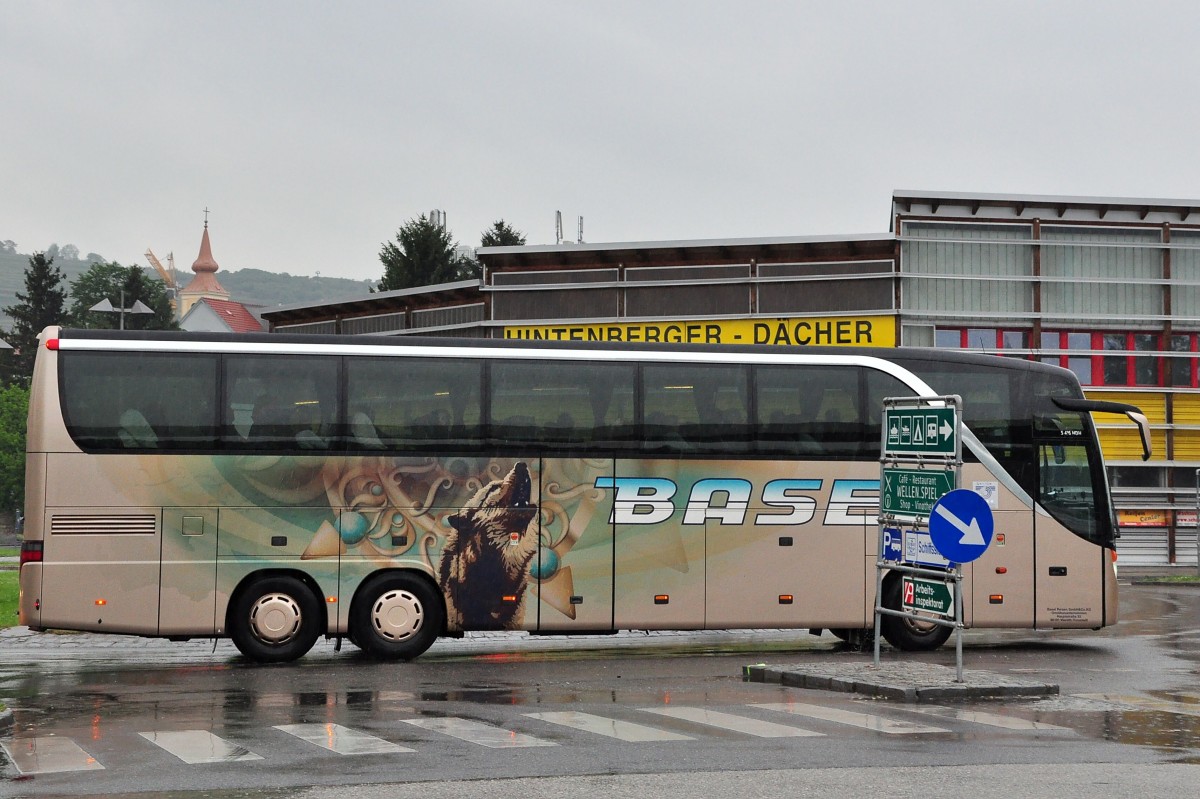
[{"x": 276, "y": 488}]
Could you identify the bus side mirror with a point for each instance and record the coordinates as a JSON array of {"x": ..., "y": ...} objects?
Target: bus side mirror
[{"x": 1099, "y": 406}]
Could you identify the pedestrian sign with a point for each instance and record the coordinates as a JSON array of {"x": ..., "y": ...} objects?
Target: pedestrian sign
[
  {"x": 961, "y": 525},
  {"x": 920, "y": 431}
]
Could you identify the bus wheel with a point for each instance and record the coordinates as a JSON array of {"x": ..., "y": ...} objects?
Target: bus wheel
[
  {"x": 275, "y": 620},
  {"x": 396, "y": 617},
  {"x": 911, "y": 635}
]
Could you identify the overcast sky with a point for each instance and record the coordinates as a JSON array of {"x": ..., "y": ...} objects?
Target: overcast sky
[{"x": 313, "y": 130}]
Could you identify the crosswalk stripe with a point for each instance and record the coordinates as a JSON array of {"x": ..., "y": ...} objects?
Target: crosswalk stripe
[
  {"x": 198, "y": 746},
  {"x": 611, "y": 728},
  {"x": 47, "y": 755},
  {"x": 1145, "y": 703},
  {"x": 728, "y": 721},
  {"x": 980, "y": 717},
  {"x": 342, "y": 740},
  {"x": 866, "y": 721},
  {"x": 477, "y": 732}
]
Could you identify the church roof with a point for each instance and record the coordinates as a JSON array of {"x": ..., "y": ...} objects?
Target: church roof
[{"x": 234, "y": 315}]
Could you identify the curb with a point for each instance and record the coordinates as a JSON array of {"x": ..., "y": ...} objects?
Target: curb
[
  {"x": 905, "y": 682},
  {"x": 6, "y": 721}
]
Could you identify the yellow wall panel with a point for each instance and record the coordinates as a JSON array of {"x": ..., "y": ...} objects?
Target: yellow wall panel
[
  {"x": 1119, "y": 444},
  {"x": 1154, "y": 405},
  {"x": 1187, "y": 409},
  {"x": 1187, "y": 445}
]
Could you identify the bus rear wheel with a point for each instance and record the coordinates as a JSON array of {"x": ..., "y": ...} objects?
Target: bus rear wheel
[
  {"x": 910, "y": 635},
  {"x": 396, "y": 617},
  {"x": 275, "y": 620}
]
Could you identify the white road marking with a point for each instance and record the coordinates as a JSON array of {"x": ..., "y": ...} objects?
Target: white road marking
[
  {"x": 728, "y": 721},
  {"x": 198, "y": 746},
  {"x": 47, "y": 755},
  {"x": 477, "y": 732},
  {"x": 980, "y": 717},
  {"x": 611, "y": 728},
  {"x": 866, "y": 721},
  {"x": 342, "y": 740}
]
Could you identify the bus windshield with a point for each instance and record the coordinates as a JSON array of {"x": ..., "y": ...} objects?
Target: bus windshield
[{"x": 1052, "y": 453}]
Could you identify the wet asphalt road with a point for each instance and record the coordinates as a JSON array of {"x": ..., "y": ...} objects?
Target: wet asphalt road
[{"x": 139, "y": 716}]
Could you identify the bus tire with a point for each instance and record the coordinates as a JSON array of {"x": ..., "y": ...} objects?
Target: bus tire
[
  {"x": 909, "y": 635},
  {"x": 396, "y": 616},
  {"x": 275, "y": 620}
]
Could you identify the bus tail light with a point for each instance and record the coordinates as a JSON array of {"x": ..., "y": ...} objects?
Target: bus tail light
[
  {"x": 509, "y": 599},
  {"x": 52, "y": 344},
  {"x": 996, "y": 599},
  {"x": 31, "y": 552},
  {"x": 101, "y": 603},
  {"x": 1114, "y": 555},
  {"x": 1001, "y": 570},
  {"x": 662, "y": 599},
  {"x": 786, "y": 599}
]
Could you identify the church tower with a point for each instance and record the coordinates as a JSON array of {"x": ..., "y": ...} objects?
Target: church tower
[{"x": 204, "y": 284}]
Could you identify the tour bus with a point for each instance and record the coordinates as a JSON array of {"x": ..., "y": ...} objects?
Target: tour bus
[{"x": 277, "y": 488}]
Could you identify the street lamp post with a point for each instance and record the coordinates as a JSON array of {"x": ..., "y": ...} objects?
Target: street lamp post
[{"x": 106, "y": 306}]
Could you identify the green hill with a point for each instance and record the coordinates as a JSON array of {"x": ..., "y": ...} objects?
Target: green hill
[{"x": 250, "y": 286}]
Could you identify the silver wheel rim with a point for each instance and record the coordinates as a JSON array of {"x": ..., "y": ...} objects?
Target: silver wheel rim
[
  {"x": 275, "y": 618},
  {"x": 397, "y": 615}
]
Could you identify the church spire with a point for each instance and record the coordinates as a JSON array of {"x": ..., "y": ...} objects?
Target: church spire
[{"x": 204, "y": 284}]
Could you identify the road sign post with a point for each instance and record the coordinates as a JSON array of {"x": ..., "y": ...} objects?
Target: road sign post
[{"x": 920, "y": 465}]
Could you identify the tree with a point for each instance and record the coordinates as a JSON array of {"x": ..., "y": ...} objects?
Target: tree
[
  {"x": 423, "y": 254},
  {"x": 501, "y": 234},
  {"x": 14, "y": 407},
  {"x": 40, "y": 306},
  {"x": 122, "y": 286}
]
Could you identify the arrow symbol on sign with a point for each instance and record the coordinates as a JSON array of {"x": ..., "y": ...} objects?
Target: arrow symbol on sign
[
  {"x": 946, "y": 430},
  {"x": 971, "y": 534}
]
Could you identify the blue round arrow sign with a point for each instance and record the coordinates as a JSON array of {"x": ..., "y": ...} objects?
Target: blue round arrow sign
[{"x": 961, "y": 525}]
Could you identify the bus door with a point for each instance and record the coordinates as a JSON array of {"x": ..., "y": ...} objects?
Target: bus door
[
  {"x": 188, "y": 596},
  {"x": 1001, "y": 580},
  {"x": 1069, "y": 562},
  {"x": 572, "y": 573}
]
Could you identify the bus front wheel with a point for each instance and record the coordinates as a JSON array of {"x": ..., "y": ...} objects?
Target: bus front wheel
[
  {"x": 396, "y": 617},
  {"x": 275, "y": 620},
  {"x": 910, "y": 635}
]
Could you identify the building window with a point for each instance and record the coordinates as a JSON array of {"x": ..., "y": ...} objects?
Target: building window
[
  {"x": 982, "y": 338},
  {"x": 1070, "y": 350},
  {"x": 1181, "y": 370}
]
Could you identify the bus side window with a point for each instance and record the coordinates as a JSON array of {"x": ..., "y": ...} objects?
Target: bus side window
[
  {"x": 280, "y": 403},
  {"x": 413, "y": 404},
  {"x": 139, "y": 401},
  {"x": 701, "y": 405},
  {"x": 563, "y": 405}
]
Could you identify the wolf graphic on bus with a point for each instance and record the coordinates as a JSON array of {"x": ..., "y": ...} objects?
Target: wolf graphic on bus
[{"x": 488, "y": 552}]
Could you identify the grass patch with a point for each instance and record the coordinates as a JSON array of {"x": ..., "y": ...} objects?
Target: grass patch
[
  {"x": 9, "y": 552},
  {"x": 9, "y": 589}
]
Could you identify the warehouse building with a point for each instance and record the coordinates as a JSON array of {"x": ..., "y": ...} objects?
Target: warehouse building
[{"x": 1106, "y": 287}]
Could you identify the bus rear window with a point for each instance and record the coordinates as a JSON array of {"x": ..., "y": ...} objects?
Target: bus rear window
[{"x": 139, "y": 400}]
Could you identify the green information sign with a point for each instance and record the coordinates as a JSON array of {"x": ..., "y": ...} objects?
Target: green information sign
[
  {"x": 929, "y": 596},
  {"x": 919, "y": 431},
  {"x": 913, "y": 493}
]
